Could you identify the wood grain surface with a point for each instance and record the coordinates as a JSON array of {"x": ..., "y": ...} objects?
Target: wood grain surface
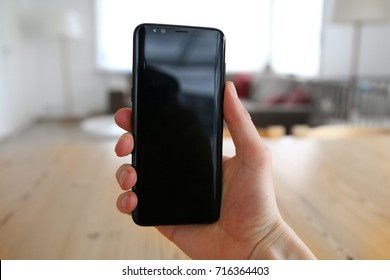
[{"x": 58, "y": 195}]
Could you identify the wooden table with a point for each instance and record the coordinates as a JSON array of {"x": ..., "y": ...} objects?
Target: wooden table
[{"x": 58, "y": 193}]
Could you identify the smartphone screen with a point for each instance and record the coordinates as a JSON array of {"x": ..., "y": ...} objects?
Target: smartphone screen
[{"x": 178, "y": 81}]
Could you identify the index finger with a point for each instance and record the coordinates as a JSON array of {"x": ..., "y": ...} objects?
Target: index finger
[{"x": 123, "y": 118}]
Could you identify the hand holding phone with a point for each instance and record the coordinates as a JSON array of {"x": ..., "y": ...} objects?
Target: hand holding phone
[
  {"x": 250, "y": 225},
  {"x": 178, "y": 81}
]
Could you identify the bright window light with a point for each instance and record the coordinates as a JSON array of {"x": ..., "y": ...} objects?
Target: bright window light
[
  {"x": 247, "y": 25},
  {"x": 244, "y": 24},
  {"x": 296, "y": 43}
]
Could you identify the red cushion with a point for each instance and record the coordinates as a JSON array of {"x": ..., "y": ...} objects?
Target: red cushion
[
  {"x": 243, "y": 84},
  {"x": 279, "y": 98},
  {"x": 297, "y": 97}
]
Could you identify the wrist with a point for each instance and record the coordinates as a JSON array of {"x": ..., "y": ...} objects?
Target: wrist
[{"x": 281, "y": 243}]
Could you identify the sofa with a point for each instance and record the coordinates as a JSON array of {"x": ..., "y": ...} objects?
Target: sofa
[{"x": 274, "y": 99}]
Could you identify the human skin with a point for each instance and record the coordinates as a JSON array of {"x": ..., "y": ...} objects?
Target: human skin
[{"x": 250, "y": 225}]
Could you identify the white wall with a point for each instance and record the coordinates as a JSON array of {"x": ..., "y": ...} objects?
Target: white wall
[
  {"x": 31, "y": 69},
  {"x": 3, "y": 110},
  {"x": 17, "y": 105},
  {"x": 65, "y": 68},
  {"x": 338, "y": 46}
]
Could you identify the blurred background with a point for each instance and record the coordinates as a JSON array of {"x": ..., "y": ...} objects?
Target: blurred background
[
  {"x": 301, "y": 67},
  {"x": 72, "y": 59}
]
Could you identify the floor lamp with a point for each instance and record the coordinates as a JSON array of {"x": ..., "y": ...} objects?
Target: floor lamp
[
  {"x": 69, "y": 30},
  {"x": 358, "y": 13}
]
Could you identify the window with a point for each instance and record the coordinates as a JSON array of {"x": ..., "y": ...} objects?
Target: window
[
  {"x": 246, "y": 24},
  {"x": 296, "y": 36}
]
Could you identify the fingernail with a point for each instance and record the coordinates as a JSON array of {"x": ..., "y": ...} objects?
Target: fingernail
[{"x": 233, "y": 88}]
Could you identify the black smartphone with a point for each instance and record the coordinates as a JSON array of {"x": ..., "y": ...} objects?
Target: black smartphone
[{"x": 178, "y": 82}]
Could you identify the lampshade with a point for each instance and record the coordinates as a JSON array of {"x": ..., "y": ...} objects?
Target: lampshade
[
  {"x": 70, "y": 25},
  {"x": 360, "y": 10}
]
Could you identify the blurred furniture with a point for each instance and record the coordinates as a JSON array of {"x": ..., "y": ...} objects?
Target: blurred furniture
[
  {"x": 118, "y": 99},
  {"x": 270, "y": 132},
  {"x": 358, "y": 13},
  {"x": 346, "y": 131},
  {"x": 372, "y": 102},
  {"x": 278, "y": 115},
  {"x": 273, "y": 99},
  {"x": 69, "y": 30},
  {"x": 333, "y": 100},
  {"x": 330, "y": 101}
]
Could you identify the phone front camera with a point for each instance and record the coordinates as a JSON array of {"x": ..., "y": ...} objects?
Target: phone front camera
[
  {"x": 163, "y": 31},
  {"x": 154, "y": 30}
]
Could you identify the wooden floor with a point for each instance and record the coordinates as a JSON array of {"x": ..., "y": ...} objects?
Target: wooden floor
[{"x": 58, "y": 194}]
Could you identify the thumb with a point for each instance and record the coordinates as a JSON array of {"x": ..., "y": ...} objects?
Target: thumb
[{"x": 244, "y": 133}]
